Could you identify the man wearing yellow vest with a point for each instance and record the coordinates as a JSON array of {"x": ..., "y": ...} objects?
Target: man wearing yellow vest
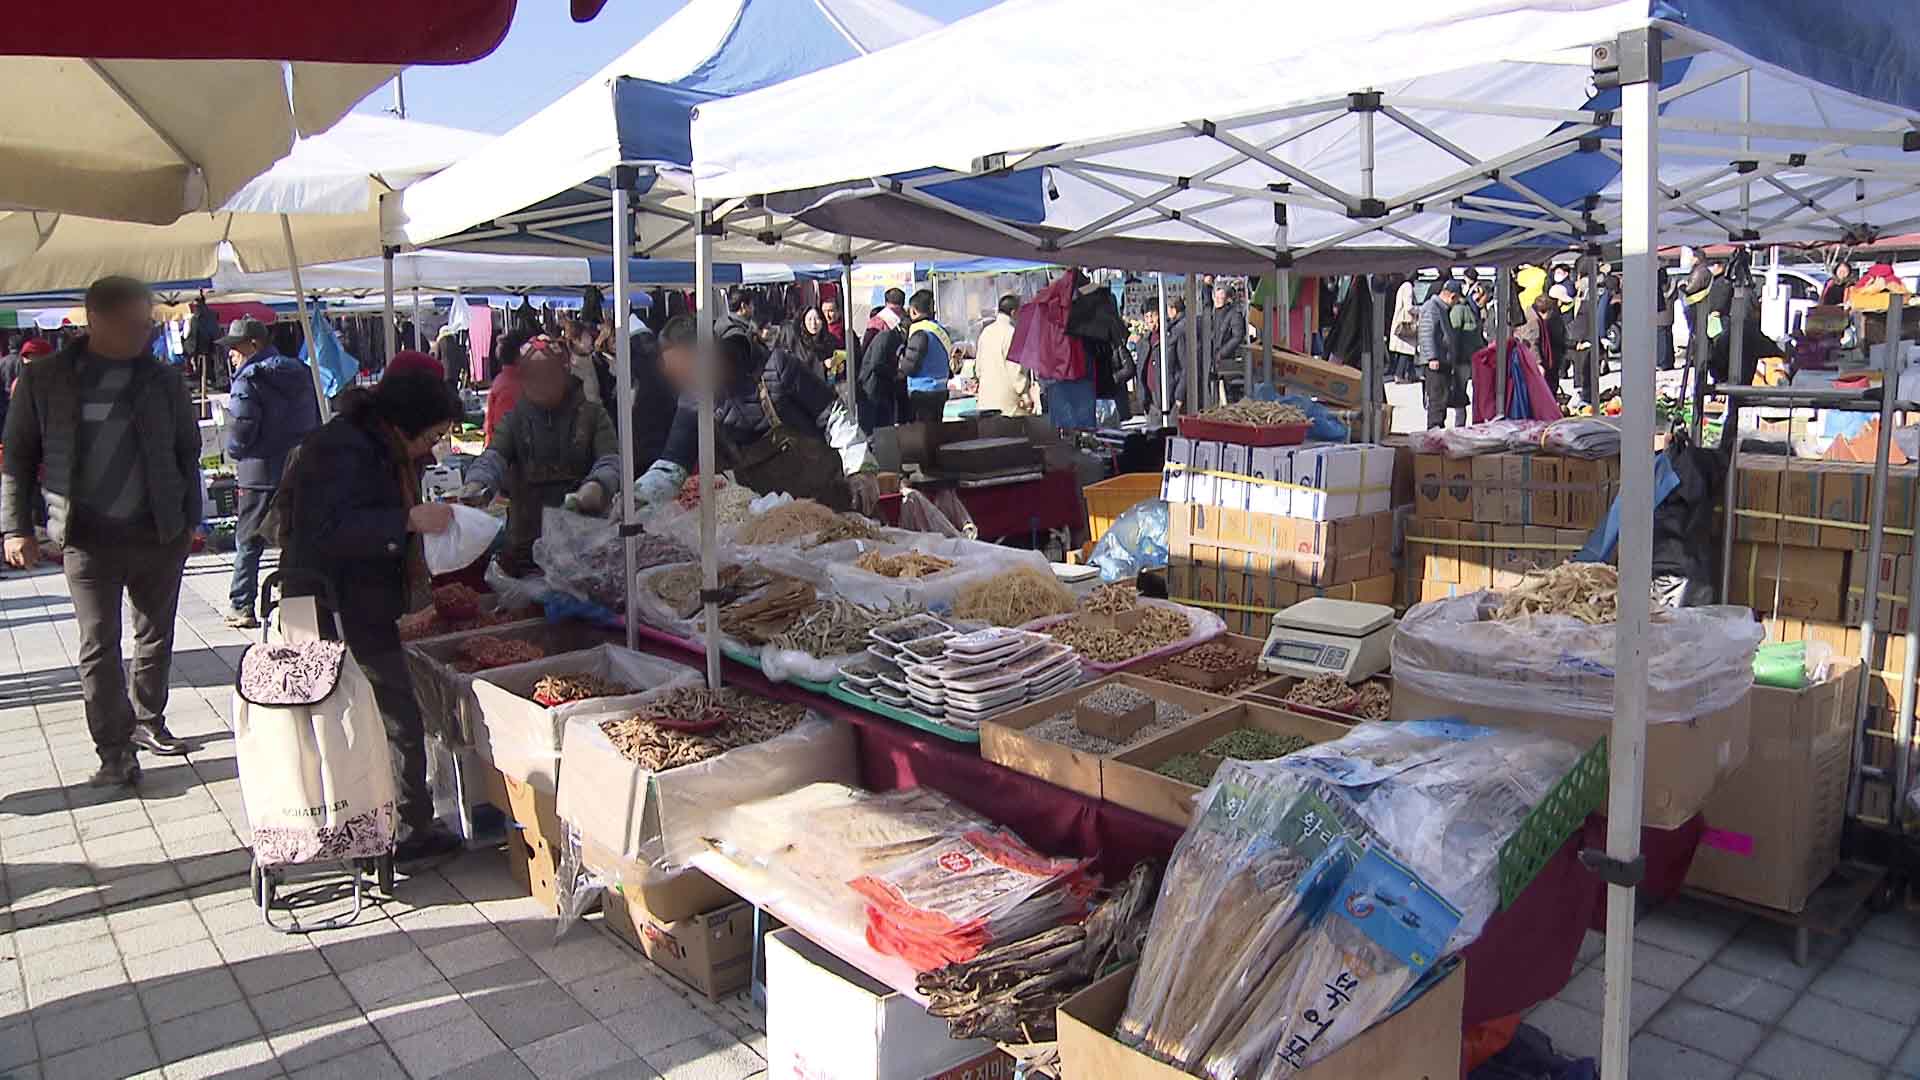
[{"x": 928, "y": 360}]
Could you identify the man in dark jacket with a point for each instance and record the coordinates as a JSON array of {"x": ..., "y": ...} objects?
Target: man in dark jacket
[
  {"x": 118, "y": 441},
  {"x": 1224, "y": 336},
  {"x": 273, "y": 406},
  {"x": 555, "y": 444},
  {"x": 1434, "y": 349},
  {"x": 880, "y": 383}
]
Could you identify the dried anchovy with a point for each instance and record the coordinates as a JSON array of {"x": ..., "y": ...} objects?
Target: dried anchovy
[
  {"x": 1589, "y": 592},
  {"x": 1060, "y": 728},
  {"x": 746, "y": 719},
  {"x": 562, "y": 687},
  {"x": 1259, "y": 413},
  {"x": 907, "y": 564},
  {"x": 836, "y": 627},
  {"x": 848, "y": 526},
  {"x": 1157, "y": 628},
  {"x": 1111, "y": 599}
]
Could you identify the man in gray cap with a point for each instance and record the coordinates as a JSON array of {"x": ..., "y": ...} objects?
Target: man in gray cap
[{"x": 272, "y": 407}]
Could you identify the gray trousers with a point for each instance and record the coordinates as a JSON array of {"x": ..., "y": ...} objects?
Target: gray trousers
[{"x": 149, "y": 576}]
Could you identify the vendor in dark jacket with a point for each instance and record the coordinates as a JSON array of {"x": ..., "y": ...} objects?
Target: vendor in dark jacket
[
  {"x": 273, "y": 406},
  {"x": 353, "y": 519},
  {"x": 554, "y": 444},
  {"x": 752, "y": 377},
  {"x": 1445, "y": 372},
  {"x": 881, "y": 387}
]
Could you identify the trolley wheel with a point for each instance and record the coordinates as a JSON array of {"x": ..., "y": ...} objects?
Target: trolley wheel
[
  {"x": 1886, "y": 897},
  {"x": 261, "y": 884},
  {"x": 383, "y": 869}
]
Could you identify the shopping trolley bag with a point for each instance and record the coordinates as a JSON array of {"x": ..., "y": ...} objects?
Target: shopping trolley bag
[{"x": 314, "y": 764}]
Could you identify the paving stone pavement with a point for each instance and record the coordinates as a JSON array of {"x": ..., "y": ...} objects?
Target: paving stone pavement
[{"x": 129, "y": 945}]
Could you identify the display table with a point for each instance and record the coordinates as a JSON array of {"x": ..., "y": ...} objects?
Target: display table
[
  {"x": 1025, "y": 511},
  {"x": 1525, "y": 955}
]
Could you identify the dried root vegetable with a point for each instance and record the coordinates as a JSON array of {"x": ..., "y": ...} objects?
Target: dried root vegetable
[
  {"x": 788, "y": 521},
  {"x": 1259, "y": 413},
  {"x": 1321, "y": 692},
  {"x": 725, "y": 719},
  {"x": 1373, "y": 701},
  {"x": 1112, "y": 599},
  {"x": 907, "y": 564},
  {"x": 560, "y": 688},
  {"x": 836, "y": 627},
  {"x": 1014, "y": 598},
  {"x": 1157, "y": 628},
  {"x": 1589, "y": 592},
  {"x": 848, "y": 526}
]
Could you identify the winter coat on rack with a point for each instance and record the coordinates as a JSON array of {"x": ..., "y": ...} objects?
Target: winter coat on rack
[{"x": 1094, "y": 318}]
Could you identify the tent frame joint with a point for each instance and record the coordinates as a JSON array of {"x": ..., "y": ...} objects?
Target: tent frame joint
[
  {"x": 626, "y": 177},
  {"x": 1626, "y": 873},
  {"x": 1368, "y": 208},
  {"x": 1364, "y": 101}
]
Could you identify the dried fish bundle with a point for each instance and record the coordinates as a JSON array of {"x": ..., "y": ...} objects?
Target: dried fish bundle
[
  {"x": 911, "y": 565},
  {"x": 1589, "y": 592},
  {"x": 786, "y": 522},
  {"x": 837, "y": 627},
  {"x": 689, "y": 724},
  {"x": 768, "y": 613}
]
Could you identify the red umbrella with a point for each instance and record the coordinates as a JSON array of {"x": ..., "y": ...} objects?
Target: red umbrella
[{"x": 335, "y": 31}]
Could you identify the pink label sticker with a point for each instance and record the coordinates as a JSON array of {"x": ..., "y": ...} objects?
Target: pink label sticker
[{"x": 1731, "y": 842}]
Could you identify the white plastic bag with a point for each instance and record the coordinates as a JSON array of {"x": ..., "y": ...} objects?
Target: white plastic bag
[
  {"x": 1699, "y": 660},
  {"x": 469, "y": 536},
  {"x": 973, "y": 561}
]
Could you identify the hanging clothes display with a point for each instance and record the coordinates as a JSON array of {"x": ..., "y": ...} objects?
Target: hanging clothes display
[{"x": 480, "y": 341}]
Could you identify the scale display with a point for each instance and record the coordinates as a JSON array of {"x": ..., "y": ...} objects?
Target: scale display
[{"x": 1348, "y": 639}]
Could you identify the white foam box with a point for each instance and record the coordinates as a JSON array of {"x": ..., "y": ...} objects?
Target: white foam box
[
  {"x": 826, "y": 1019},
  {"x": 1377, "y": 478},
  {"x": 1176, "y": 483},
  {"x": 1271, "y": 463},
  {"x": 1234, "y": 458},
  {"x": 1205, "y": 490},
  {"x": 1333, "y": 473}
]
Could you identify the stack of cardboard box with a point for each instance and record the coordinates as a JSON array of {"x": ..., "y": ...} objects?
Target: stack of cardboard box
[
  {"x": 1254, "y": 529},
  {"x": 1481, "y": 522}
]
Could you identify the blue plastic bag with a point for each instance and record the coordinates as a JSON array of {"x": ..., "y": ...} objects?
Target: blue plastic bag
[
  {"x": 1326, "y": 427},
  {"x": 1137, "y": 541}
]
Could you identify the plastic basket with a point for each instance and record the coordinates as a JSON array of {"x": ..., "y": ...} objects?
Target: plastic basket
[
  {"x": 1110, "y": 498},
  {"x": 1198, "y": 427},
  {"x": 1579, "y": 793}
]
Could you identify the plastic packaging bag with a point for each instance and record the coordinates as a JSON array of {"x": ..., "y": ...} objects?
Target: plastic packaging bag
[
  {"x": 973, "y": 561},
  {"x": 517, "y": 592},
  {"x": 1698, "y": 659},
  {"x": 464, "y": 541},
  {"x": 584, "y": 556},
  {"x": 1137, "y": 541},
  {"x": 1782, "y": 664}
]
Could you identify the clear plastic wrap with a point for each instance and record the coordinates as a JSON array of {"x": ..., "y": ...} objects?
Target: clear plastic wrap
[
  {"x": 1490, "y": 437},
  {"x": 1137, "y": 541},
  {"x": 517, "y": 592},
  {"x": 584, "y": 556},
  {"x": 973, "y": 561},
  {"x": 1698, "y": 659}
]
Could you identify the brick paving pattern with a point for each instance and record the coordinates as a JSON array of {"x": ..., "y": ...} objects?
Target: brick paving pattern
[{"x": 129, "y": 945}]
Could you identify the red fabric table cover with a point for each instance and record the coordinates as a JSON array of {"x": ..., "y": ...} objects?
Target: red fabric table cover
[
  {"x": 1016, "y": 510},
  {"x": 1524, "y": 956}
]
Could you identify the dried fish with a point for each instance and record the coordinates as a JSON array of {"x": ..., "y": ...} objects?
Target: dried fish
[
  {"x": 1111, "y": 599},
  {"x": 848, "y": 526},
  {"x": 563, "y": 687},
  {"x": 767, "y": 613},
  {"x": 906, "y": 564},
  {"x": 836, "y": 627},
  {"x": 726, "y": 719},
  {"x": 1158, "y": 627},
  {"x": 1589, "y": 592}
]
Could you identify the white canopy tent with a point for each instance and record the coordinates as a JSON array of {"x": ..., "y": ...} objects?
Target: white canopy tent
[
  {"x": 1375, "y": 134},
  {"x": 435, "y": 270}
]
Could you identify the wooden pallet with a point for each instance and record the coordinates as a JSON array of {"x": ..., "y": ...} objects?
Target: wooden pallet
[{"x": 1833, "y": 909}]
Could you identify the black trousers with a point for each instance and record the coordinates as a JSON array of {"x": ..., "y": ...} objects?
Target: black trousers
[
  {"x": 929, "y": 406},
  {"x": 377, "y": 650},
  {"x": 98, "y": 575},
  {"x": 1439, "y": 389}
]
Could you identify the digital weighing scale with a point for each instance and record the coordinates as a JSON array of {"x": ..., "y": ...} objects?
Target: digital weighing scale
[{"x": 1321, "y": 637}]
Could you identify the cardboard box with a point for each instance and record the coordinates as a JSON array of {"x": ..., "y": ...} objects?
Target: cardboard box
[
  {"x": 1456, "y": 499},
  {"x": 711, "y": 952},
  {"x": 535, "y": 840},
  {"x": 1773, "y": 827},
  {"x": 1759, "y": 495},
  {"x": 1476, "y": 556},
  {"x": 1004, "y": 741},
  {"x": 1429, "y": 485},
  {"x": 1273, "y": 463},
  {"x": 1176, "y": 484},
  {"x": 1328, "y": 552},
  {"x": 1802, "y": 582},
  {"x": 522, "y": 738},
  {"x": 1846, "y": 497},
  {"x": 829, "y": 1021},
  {"x": 1233, "y": 494},
  {"x": 662, "y": 899},
  {"x": 1334, "y": 382},
  {"x": 1686, "y": 762},
  {"x": 1128, "y": 778},
  {"x": 1420, "y": 1042},
  {"x": 1586, "y": 491},
  {"x": 1204, "y": 489},
  {"x": 1547, "y": 500},
  {"x": 1799, "y": 498},
  {"x": 1490, "y": 487},
  {"x": 1890, "y": 590}
]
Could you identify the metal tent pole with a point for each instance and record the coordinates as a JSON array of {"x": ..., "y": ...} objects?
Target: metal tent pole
[
  {"x": 1503, "y": 337},
  {"x": 1373, "y": 362},
  {"x": 419, "y": 339},
  {"x": 1271, "y": 332},
  {"x": 709, "y": 542},
  {"x": 1876, "y": 536},
  {"x": 1280, "y": 307},
  {"x": 1736, "y": 344},
  {"x": 306, "y": 321},
  {"x": 846, "y": 322},
  {"x": 625, "y": 180},
  {"x": 1163, "y": 403},
  {"x": 1193, "y": 343},
  {"x": 1623, "y": 866},
  {"x": 1595, "y": 311},
  {"x": 392, "y": 336}
]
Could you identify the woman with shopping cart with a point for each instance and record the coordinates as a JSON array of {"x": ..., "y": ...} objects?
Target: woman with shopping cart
[{"x": 351, "y": 535}]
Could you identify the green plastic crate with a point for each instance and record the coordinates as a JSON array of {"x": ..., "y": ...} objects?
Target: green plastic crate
[{"x": 1579, "y": 793}]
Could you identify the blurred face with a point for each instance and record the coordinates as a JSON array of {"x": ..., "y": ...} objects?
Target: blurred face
[
  {"x": 1151, "y": 321},
  {"x": 677, "y": 365},
  {"x": 831, "y": 308},
  {"x": 543, "y": 376},
  {"x": 121, "y": 332},
  {"x": 1219, "y": 298},
  {"x": 1843, "y": 271},
  {"x": 812, "y": 322},
  {"x": 422, "y": 445}
]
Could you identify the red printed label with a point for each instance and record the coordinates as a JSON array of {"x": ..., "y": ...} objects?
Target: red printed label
[
  {"x": 956, "y": 862},
  {"x": 1732, "y": 843}
]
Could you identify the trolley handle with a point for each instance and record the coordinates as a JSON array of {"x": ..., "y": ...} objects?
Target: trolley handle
[{"x": 279, "y": 579}]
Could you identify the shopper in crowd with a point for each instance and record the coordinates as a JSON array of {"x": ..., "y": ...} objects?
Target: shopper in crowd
[
  {"x": 740, "y": 304},
  {"x": 654, "y": 398},
  {"x": 1546, "y": 331},
  {"x": 760, "y": 389},
  {"x": 1226, "y": 333},
  {"x": 879, "y": 374},
  {"x": 273, "y": 405},
  {"x": 1005, "y": 387},
  {"x": 1469, "y": 332},
  {"x": 805, "y": 336},
  {"x": 836, "y": 324},
  {"x": 1402, "y": 333},
  {"x": 108, "y": 434},
  {"x": 1169, "y": 343},
  {"x": 1835, "y": 290},
  {"x": 13, "y": 361},
  {"x": 1446, "y": 373},
  {"x": 555, "y": 448},
  {"x": 504, "y": 392},
  {"x": 927, "y": 361},
  {"x": 452, "y": 354},
  {"x": 353, "y": 519}
]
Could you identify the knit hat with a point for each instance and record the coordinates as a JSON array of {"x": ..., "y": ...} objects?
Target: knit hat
[
  {"x": 36, "y": 347},
  {"x": 411, "y": 360}
]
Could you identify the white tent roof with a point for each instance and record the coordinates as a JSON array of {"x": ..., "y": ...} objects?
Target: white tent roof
[
  {"x": 327, "y": 185},
  {"x": 414, "y": 269},
  {"x": 543, "y": 187},
  {"x": 1472, "y": 97}
]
